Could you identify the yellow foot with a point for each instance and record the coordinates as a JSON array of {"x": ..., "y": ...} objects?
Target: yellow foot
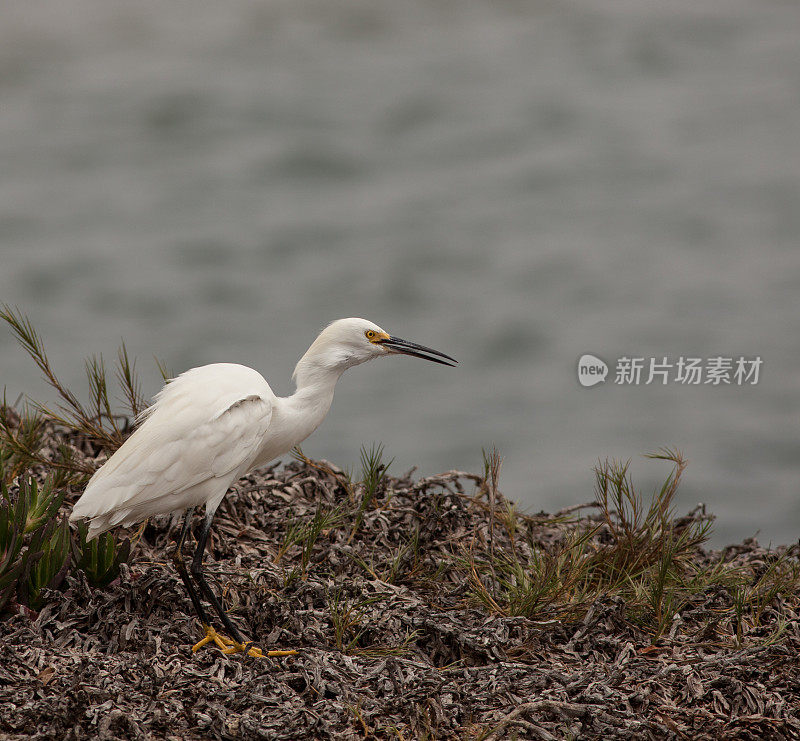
[{"x": 229, "y": 646}]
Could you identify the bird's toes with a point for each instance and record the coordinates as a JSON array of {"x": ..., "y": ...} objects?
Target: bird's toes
[
  {"x": 228, "y": 646},
  {"x": 224, "y": 643},
  {"x": 258, "y": 653}
]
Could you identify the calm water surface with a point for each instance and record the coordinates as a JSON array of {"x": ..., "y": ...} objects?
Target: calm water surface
[{"x": 515, "y": 183}]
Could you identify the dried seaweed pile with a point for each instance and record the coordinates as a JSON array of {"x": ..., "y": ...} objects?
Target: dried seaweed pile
[{"x": 379, "y": 591}]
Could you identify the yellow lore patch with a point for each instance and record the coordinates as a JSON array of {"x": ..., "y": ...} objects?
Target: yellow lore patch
[{"x": 375, "y": 337}]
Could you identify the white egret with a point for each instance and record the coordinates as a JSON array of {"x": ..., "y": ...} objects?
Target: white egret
[{"x": 210, "y": 426}]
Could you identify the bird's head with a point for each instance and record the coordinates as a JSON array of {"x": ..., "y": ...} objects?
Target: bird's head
[{"x": 348, "y": 342}]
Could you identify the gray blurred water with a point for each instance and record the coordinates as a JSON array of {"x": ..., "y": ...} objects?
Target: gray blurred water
[{"x": 515, "y": 183}]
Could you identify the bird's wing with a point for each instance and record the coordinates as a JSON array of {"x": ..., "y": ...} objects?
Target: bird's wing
[{"x": 205, "y": 425}]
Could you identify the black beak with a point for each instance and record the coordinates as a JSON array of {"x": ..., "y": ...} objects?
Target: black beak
[{"x": 418, "y": 351}]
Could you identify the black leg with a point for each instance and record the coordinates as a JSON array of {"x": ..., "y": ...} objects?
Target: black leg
[
  {"x": 180, "y": 567},
  {"x": 197, "y": 573},
  {"x": 223, "y": 643}
]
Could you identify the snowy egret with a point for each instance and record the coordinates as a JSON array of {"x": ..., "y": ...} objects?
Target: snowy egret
[{"x": 210, "y": 426}]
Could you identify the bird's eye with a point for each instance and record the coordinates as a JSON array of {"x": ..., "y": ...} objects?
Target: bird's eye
[{"x": 370, "y": 334}]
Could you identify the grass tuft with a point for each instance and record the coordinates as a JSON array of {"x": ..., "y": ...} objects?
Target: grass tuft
[
  {"x": 37, "y": 546},
  {"x": 306, "y": 533},
  {"x": 634, "y": 548},
  {"x": 373, "y": 475},
  {"x": 96, "y": 421}
]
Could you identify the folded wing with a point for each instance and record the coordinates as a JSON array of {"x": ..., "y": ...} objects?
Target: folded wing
[{"x": 203, "y": 431}]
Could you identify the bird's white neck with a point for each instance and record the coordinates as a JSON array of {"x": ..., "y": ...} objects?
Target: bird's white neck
[
  {"x": 313, "y": 396},
  {"x": 298, "y": 415},
  {"x": 316, "y": 374}
]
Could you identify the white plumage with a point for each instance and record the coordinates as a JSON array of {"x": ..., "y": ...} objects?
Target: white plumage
[{"x": 211, "y": 425}]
